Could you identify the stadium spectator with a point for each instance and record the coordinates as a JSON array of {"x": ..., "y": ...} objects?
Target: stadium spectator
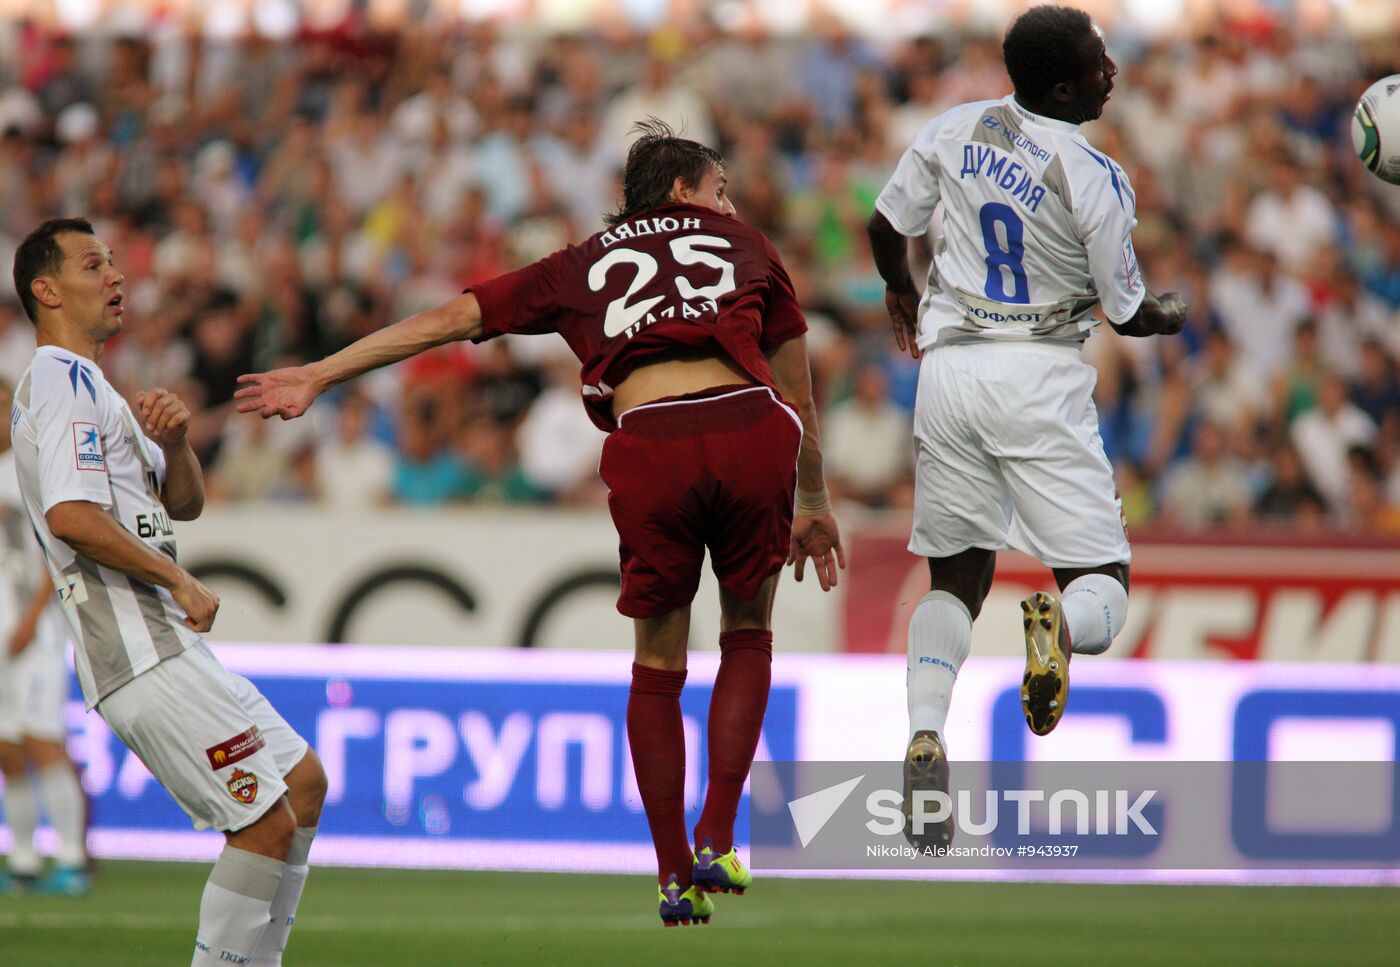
[
  {"x": 353, "y": 469},
  {"x": 428, "y": 471},
  {"x": 1225, "y": 389},
  {"x": 1208, "y": 488},
  {"x": 16, "y": 344},
  {"x": 1375, "y": 391},
  {"x": 1295, "y": 388},
  {"x": 255, "y": 464},
  {"x": 1291, "y": 219},
  {"x": 657, "y": 93},
  {"x": 867, "y": 442},
  {"x": 492, "y": 472},
  {"x": 1324, "y": 435},
  {"x": 559, "y": 445},
  {"x": 1349, "y": 317},
  {"x": 1288, "y": 490},
  {"x": 1259, "y": 306}
]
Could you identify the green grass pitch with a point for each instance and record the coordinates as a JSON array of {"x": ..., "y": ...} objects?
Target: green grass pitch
[{"x": 144, "y": 914}]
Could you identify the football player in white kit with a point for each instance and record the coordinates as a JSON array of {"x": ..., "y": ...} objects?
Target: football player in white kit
[
  {"x": 101, "y": 489},
  {"x": 33, "y": 695},
  {"x": 1036, "y": 234}
]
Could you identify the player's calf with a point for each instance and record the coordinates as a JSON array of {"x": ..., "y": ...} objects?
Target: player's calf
[{"x": 234, "y": 911}]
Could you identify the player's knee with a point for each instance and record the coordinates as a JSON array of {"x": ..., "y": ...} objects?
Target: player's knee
[
  {"x": 1096, "y": 606},
  {"x": 971, "y": 596},
  {"x": 320, "y": 785},
  {"x": 974, "y": 603},
  {"x": 748, "y": 614},
  {"x": 271, "y": 835},
  {"x": 664, "y": 655},
  {"x": 11, "y": 758},
  {"x": 309, "y": 793},
  {"x": 44, "y": 752},
  {"x": 967, "y": 576},
  {"x": 746, "y": 619},
  {"x": 1120, "y": 574}
]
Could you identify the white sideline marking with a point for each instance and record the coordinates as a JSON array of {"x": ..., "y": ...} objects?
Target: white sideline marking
[{"x": 463, "y": 924}]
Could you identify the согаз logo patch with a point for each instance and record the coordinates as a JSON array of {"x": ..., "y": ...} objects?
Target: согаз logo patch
[{"x": 87, "y": 447}]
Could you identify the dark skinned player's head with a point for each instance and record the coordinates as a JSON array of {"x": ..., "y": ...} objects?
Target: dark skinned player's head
[{"x": 1058, "y": 64}]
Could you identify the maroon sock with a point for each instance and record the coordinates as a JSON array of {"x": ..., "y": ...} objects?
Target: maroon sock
[
  {"x": 657, "y": 738},
  {"x": 736, "y": 715}
]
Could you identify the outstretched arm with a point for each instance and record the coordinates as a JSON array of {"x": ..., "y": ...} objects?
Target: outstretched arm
[
  {"x": 1162, "y": 315},
  {"x": 814, "y": 530},
  {"x": 891, "y": 251},
  {"x": 289, "y": 392}
]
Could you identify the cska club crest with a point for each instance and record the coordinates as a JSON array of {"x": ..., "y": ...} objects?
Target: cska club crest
[{"x": 243, "y": 786}]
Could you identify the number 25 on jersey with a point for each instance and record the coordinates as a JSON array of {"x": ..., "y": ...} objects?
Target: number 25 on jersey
[{"x": 629, "y": 317}]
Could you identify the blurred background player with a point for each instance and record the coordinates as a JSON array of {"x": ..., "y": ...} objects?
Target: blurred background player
[
  {"x": 1037, "y": 233},
  {"x": 686, "y": 323},
  {"x": 100, "y": 496},
  {"x": 33, "y": 694}
]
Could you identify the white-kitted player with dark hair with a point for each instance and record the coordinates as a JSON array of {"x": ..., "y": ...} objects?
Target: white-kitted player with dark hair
[
  {"x": 1036, "y": 235},
  {"x": 101, "y": 488},
  {"x": 39, "y": 776}
]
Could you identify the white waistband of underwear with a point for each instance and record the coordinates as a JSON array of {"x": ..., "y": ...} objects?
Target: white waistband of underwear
[{"x": 702, "y": 399}]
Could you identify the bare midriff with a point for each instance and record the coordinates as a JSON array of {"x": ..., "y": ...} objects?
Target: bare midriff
[{"x": 675, "y": 377}]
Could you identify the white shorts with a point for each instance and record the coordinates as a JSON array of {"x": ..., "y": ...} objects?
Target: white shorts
[
  {"x": 1009, "y": 456},
  {"x": 208, "y": 736},
  {"x": 34, "y": 685}
]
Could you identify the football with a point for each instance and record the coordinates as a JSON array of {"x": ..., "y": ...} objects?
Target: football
[{"x": 1375, "y": 129}]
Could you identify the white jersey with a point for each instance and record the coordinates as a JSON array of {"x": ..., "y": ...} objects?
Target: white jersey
[
  {"x": 20, "y": 560},
  {"x": 1037, "y": 226},
  {"x": 76, "y": 439}
]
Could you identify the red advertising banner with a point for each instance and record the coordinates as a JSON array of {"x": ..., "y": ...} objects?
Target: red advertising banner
[{"x": 1252, "y": 597}]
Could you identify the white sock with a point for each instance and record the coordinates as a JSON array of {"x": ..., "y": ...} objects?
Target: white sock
[
  {"x": 1095, "y": 607},
  {"x": 67, "y": 809},
  {"x": 940, "y": 637},
  {"x": 234, "y": 912},
  {"x": 22, "y": 815},
  {"x": 284, "y": 903}
]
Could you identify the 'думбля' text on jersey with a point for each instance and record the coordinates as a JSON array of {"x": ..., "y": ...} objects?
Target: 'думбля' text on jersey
[
  {"x": 677, "y": 279},
  {"x": 1037, "y": 226}
]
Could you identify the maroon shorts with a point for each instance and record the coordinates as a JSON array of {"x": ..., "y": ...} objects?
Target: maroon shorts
[{"x": 715, "y": 469}]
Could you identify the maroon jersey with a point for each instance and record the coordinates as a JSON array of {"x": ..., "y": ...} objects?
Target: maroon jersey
[{"x": 677, "y": 279}]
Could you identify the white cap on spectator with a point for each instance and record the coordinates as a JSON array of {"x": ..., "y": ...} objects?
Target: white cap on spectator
[
  {"x": 77, "y": 123},
  {"x": 215, "y": 158}
]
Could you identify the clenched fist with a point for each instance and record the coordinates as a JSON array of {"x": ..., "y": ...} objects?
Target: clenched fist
[{"x": 165, "y": 416}]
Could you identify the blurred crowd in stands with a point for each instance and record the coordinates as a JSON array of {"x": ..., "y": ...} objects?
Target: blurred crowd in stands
[{"x": 271, "y": 200}]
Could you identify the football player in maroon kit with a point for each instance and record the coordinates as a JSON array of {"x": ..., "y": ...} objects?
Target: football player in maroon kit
[{"x": 695, "y": 363}]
